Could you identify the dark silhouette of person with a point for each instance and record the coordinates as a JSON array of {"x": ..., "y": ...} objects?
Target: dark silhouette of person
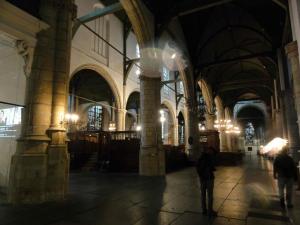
[
  {"x": 285, "y": 171},
  {"x": 205, "y": 169}
]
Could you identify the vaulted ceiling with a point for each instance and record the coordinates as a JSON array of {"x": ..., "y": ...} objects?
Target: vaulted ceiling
[{"x": 232, "y": 43}]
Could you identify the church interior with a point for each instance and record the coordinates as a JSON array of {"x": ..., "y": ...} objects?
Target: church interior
[{"x": 106, "y": 106}]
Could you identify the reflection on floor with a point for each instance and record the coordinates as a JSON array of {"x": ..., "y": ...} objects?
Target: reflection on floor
[{"x": 243, "y": 195}]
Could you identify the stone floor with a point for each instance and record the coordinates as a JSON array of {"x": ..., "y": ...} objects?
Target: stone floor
[{"x": 243, "y": 195}]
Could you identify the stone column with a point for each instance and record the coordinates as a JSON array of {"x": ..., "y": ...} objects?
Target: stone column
[
  {"x": 209, "y": 120},
  {"x": 58, "y": 157},
  {"x": 227, "y": 113},
  {"x": 40, "y": 166},
  {"x": 291, "y": 124},
  {"x": 293, "y": 56},
  {"x": 121, "y": 113},
  {"x": 192, "y": 131},
  {"x": 152, "y": 156},
  {"x": 278, "y": 129},
  {"x": 176, "y": 141},
  {"x": 282, "y": 85}
]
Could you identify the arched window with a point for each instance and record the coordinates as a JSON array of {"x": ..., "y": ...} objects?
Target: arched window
[
  {"x": 138, "y": 56},
  {"x": 166, "y": 77},
  {"x": 95, "y": 115}
]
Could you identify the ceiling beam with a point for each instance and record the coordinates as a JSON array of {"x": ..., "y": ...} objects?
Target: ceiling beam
[
  {"x": 96, "y": 14},
  {"x": 101, "y": 12},
  {"x": 241, "y": 84},
  {"x": 204, "y": 7},
  {"x": 245, "y": 57}
]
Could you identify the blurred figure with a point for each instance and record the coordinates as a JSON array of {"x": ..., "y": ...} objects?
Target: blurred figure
[
  {"x": 205, "y": 169},
  {"x": 285, "y": 171}
]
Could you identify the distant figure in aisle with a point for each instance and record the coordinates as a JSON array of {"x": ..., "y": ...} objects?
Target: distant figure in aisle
[
  {"x": 205, "y": 169},
  {"x": 285, "y": 171}
]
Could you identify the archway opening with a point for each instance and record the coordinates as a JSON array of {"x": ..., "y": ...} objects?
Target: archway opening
[
  {"x": 92, "y": 98},
  {"x": 167, "y": 125},
  {"x": 132, "y": 119},
  {"x": 181, "y": 129},
  {"x": 253, "y": 126}
]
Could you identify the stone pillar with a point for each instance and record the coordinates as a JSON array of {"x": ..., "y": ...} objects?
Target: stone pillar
[
  {"x": 192, "y": 131},
  {"x": 209, "y": 120},
  {"x": 121, "y": 114},
  {"x": 39, "y": 169},
  {"x": 152, "y": 156},
  {"x": 227, "y": 113},
  {"x": 293, "y": 56},
  {"x": 58, "y": 157},
  {"x": 176, "y": 140},
  {"x": 292, "y": 126},
  {"x": 282, "y": 85},
  {"x": 278, "y": 129}
]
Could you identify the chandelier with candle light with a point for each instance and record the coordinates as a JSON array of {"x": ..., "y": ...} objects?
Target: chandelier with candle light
[{"x": 227, "y": 126}]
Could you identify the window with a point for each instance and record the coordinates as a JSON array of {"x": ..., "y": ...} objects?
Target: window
[
  {"x": 181, "y": 132},
  {"x": 95, "y": 114},
  {"x": 138, "y": 55},
  {"x": 181, "y": 89},
  {"x": 101, "y": 26},
  {"x": 166, "y": 77},
  {"x": 137, "y": 51}
]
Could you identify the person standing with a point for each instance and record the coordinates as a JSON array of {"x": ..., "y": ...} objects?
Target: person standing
[
  {"x": 285, "y": 171},
  {"x": 205, "y": 169}
]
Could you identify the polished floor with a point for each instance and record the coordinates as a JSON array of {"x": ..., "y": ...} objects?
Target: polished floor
[{"x": 245, "y": 194}]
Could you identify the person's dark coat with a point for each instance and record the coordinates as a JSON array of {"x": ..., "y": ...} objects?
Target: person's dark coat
[
  {"x": 206, "y": 166},
  {"x": 284, "y": 166}
]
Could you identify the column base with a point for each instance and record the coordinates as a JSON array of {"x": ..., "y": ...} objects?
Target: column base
[
  {"x": 40, "y": 174},
  {"x": 152, "y": 161}
]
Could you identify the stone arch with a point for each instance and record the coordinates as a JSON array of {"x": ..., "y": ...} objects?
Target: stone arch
[
  {"x": 219, "y": 107},
  {"x": 170, "y": 108},
  {"x": 105, "y": 75},
  {"x": 129, "y": 94},
  {"x": 187, "y": 83},
  {"x": 132, "y": 114},
  {"x": 227, "y": 113},
  {"x": 261, "y": 106},
  {"x": 168, "y": 105},
  {"x": 141, "y": 20},
  {"x": 207, "y": 95}
]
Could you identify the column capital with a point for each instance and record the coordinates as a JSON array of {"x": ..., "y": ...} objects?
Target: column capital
[
  {"x": 26, "y": 52},
  {"x": 291, "y": 49}
]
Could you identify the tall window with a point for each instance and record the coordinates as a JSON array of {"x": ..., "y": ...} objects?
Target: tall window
[
  {"x": 95, "y": 115},
  {"x": 138, "y": 56},
  {"x": 165, "y": 77},
  {"x": 137, "y": 51},
  {"x": 101, "y": 26},
  {"x": 181, "y": 132},
  {"x": 181, "y": 90}
]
